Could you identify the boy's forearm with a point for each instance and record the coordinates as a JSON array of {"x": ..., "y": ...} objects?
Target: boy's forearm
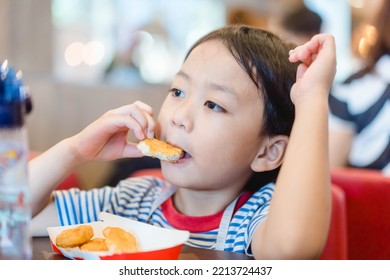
[
  {"x": 306, "y": 176},
  {"x": 47, "y": 170},
  {"x": 300, "y": 208}
]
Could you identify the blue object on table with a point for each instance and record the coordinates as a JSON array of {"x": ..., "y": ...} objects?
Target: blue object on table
[{"x": 15, "y": 212}]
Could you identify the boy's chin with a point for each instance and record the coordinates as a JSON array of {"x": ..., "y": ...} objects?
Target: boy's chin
[{"x": 174, "y": 177}]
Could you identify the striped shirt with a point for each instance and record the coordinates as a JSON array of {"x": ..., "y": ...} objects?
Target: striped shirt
[
  {"x": 362, "y": 106},
  {"x": 133, "y": 198}
]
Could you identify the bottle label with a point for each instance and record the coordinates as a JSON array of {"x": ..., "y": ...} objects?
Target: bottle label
[
  {"x": 15, "y": 212},
  {"x": 13, "y": 169},
  {"x": 10, "y": 155}
]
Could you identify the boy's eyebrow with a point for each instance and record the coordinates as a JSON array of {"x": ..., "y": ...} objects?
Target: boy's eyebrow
[
  {"x": 212, "y": 85},
  {"x": 183, "y": 74},
  {"x": 222, "y": 88}
]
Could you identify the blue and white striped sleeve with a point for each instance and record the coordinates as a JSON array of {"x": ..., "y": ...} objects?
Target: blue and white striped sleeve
[
  {"x": 263, "y": 205},
  {"x": 77, "y": 206}
]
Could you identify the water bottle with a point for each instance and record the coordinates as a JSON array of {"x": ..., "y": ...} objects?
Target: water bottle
[{"x": 15, "y": 212}]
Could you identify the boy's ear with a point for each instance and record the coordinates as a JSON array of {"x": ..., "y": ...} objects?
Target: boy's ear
[{"x": 270, "y": 154}]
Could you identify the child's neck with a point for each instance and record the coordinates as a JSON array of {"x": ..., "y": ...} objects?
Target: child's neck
[{"x": 202, "y": 202}]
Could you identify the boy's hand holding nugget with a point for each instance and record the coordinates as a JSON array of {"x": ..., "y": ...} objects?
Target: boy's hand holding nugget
[{"x": 107, "y": 137}]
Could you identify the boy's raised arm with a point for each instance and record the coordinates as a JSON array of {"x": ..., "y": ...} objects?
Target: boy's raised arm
[{"x": 298, "y": 221}]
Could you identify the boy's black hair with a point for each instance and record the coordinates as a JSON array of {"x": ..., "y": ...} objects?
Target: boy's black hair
[{"x": 264, "y": 56}]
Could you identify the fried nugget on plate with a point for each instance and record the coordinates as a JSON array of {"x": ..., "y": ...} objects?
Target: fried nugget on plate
[
  {"x": 95, "y": 244},
  {"x": 120, "y": 239},
  {"x": 74, "y": 237}
]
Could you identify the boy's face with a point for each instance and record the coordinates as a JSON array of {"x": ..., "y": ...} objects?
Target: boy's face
[{"x": 214, "y": 113}]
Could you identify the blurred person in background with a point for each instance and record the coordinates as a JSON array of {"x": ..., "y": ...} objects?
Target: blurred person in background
[
  {"x": 360, "y": 107},
  {"x": 299, "y": 25}
]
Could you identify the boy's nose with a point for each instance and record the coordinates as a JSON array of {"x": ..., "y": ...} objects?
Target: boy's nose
[{"x": 182, "y": 117}]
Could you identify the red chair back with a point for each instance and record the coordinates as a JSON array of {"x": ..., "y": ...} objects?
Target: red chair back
[
  {"x": 156, "y": 172},
  {"x": 336, "y": 244},
  {"x": 367, "y": 195},
  {"x": 71, "y": 181}
]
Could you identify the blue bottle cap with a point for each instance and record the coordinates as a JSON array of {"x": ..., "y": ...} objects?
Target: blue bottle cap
[{"x": 13, "y": 96}]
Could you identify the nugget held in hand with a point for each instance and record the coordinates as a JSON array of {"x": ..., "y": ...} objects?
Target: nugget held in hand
[
  {"x": 74, "y": 237},
  {"x": 159, "y": 149},
  {"x": 95, "y": 244},
  {"x": 120, "y": 240}
]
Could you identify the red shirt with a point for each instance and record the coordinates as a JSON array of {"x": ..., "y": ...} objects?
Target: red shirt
[{"x": 197, "y": 223}]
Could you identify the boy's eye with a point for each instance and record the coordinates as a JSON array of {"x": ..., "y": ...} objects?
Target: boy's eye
[
  {"x": 177, "y": 92},
  {"x": 214, "y": 106}
]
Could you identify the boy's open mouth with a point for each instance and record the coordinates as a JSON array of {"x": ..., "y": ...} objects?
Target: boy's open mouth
[{"x": 185, "y": 155}]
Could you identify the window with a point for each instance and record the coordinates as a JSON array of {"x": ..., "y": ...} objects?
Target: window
[{"x": 128, "y": 42}]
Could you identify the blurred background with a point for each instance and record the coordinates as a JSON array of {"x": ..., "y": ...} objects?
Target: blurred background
[{"x": 81, "y": 58}]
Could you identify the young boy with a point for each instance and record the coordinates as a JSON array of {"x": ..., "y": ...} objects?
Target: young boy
[{"x": 231, "y": 109}]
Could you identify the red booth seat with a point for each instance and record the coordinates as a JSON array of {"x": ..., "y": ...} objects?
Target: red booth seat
[
  {"x": 367, "y": 195},
  {"x": 336, "y": 244}
]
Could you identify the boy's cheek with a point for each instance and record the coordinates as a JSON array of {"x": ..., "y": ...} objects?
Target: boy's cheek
[{"x": 157, "y": 132}]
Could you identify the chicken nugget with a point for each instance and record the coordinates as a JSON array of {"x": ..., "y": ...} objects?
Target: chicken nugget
[
  {"x": 159, "y": 149},
  {"x": 120, "y": 240},
  {"x": 74, "y": 237},
  {"x": 95, "y": 244}
]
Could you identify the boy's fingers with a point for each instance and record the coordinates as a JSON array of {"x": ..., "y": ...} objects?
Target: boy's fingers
[
  {"x": 142, "y": 114},
  {"x": 131, "y": 150},
  {"x": 149, "y": 132},
  {"x": 120, "y": 122},
  {"x": 305, "y": 55},
  {"x": 301, "y": 53},
  {"x": 308, "y": 52},
  {"x": 300, "y": 71},
  {"x": 323, "y": 43},
  {"x": 149, "y": 129},
  {"x": 144, "y": 107},
  {"x": 138, "y": 105}
]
